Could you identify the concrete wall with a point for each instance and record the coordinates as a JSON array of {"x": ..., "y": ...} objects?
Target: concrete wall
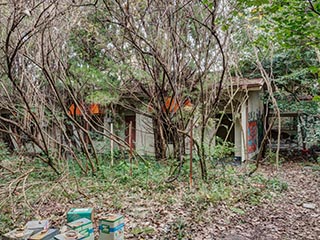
[
  {"x": 254, "y": 127},
  {"x": 144, "y": 143},
  {"x": 144, "y": 135},
  {"x": 239, "y": 134},
  {"x": 249, "y": 127},
  {"x": 246, "y": 130}
]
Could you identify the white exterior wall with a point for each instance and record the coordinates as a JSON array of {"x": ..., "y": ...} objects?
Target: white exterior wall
[
  {"x": 237, "y": 138},
  {"x": 246, "y": 128},
  {"x": 144, "y": 135},
  {"x": 243, "y": 130},
  {"x": 254, "y": 115}
]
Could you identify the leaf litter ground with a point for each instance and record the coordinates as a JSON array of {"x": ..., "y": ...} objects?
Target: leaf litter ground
[{"x": 269, "y": 205}]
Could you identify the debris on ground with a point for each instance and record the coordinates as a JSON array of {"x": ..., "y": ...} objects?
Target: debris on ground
[
  {"x": 79, "y": 227},
  {"x": 279, "y": 203}
]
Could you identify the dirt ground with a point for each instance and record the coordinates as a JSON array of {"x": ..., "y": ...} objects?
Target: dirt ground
[
  {"x": 175, "y": 214},
  {"x": 295, "y": 214}
]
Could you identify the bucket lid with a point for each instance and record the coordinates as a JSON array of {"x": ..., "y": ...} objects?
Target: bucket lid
[{"x": 112, "y": 217}]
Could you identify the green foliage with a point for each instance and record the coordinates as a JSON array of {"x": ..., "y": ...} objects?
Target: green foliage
[
  {"x": 142, "y": 230},
  {"x": 286, "y": 34},
  {"x": 222, "y": 149},
  {"x": 251, "y": 3},
  {"x": 275, "y": 185},
  {"x": 142, "y": 174},
  {"x": 220, "y": 153},
  {"x": 179, "y": 228},
  {"x": 316, "y": 167},
  {"x": 92, "y": 70},
  {"x": 4, "y": 153},
  {"x": 272, "y": 158},
  {"x": 112, "y": 183},
  {"x": 5, "y": 223},
  {"x": 294, "y": 23},
  {"x": 238, "y": 211},
  {"x": 103, "y": 85},
  {"x": 285, "y": 23},
  {"x": 229, "y": 186}
]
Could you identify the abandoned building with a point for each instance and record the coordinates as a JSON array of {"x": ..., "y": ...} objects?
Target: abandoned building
[
  {"x": 242, "y": 127},
  {"x": 240, "y": 122}
]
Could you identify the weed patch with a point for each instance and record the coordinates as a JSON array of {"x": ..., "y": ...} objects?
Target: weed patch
[{"x": 37, "y": 192}]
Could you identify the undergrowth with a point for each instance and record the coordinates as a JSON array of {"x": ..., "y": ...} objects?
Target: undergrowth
[{"x": 34, "y": 191}]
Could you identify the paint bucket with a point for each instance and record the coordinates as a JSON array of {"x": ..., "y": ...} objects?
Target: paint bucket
[
  {"x": 18, "y": 234},
  {"x": 77, "y": 213},
  {"x": 69, "y": 235},
  {"x": 111, "y": 227},
  {"x": 45, "y": 234},
  {"x": 38, "y": 226},
  {"x": 84, "y": 227}
]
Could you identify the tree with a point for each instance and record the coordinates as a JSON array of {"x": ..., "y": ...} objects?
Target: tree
[
  {"x": 176, "y": 51},
  {"x": 284, "y": 36},
  {"x": 36, "y": 85}
]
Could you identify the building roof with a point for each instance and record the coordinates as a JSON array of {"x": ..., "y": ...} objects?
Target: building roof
[
  {"x": 91, "y": 109},
  {"x": 246, "y": 83}
]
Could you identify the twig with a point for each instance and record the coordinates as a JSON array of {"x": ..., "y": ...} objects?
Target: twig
[
  {"x": 41, "y": 200},
  {"x": 8, "y": 169},
  {"x": 78, "y": 189},
  {"x": 24, "y": 192},
  {"x": 312, "y": 8}
]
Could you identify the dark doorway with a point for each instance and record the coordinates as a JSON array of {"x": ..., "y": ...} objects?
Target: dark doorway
[{"x": 224, "y": 128}]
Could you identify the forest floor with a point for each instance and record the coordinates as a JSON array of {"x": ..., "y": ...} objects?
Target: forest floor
[
  {"x": 295, "y": 214},
  {"x": 275, "y": 203}
]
